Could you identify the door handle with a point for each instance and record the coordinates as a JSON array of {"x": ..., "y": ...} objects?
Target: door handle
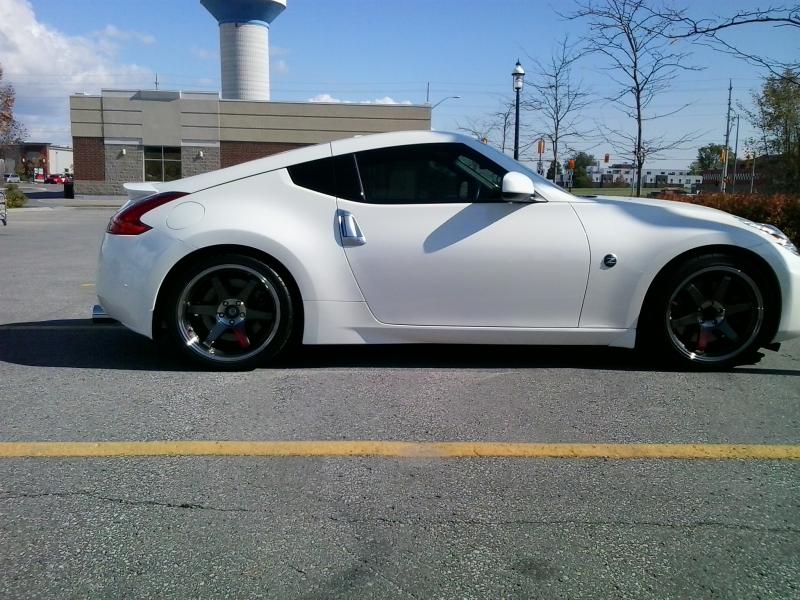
[{"x": 349, "y": 229}]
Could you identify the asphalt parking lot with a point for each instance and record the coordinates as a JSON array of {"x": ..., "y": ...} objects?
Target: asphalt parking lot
[{"x": 391, "y": 526}]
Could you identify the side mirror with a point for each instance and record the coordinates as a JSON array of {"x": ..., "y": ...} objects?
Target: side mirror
[{"x": 517, "y": 187}]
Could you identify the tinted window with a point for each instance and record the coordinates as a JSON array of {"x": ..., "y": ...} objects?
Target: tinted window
[
  {"x": 429, "y": 173},
  {"x": 315, "y": 175},
  {"x": 332, "y": 176}
]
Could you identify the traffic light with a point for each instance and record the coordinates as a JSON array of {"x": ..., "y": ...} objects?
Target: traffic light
[
  {"x": 605, "y": 158},
  {"x": 723, "y": 154},
  {"x": 541, "y": 146},
  {"x": 572, "y": 163}
]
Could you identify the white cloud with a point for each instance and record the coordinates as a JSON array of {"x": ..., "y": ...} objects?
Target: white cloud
[
  {"x": 384, "y": 100},
  {"x": 204, "y": 54},
  {"x": 45, "y": 66},
  {"x": 278, "y": 67},
  {"x": 111, "y": 32}
]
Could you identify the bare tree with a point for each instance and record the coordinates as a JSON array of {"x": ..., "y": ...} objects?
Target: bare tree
[
  {"x": 559, "y": 98},
  {"x": 494, "y": 129},
  {"x": 712, "y": 31},
  {"x": 627, "y": 33},
  {"x": 11, "y": 130}
]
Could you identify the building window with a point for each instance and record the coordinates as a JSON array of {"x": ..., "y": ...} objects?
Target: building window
[{"x": 162, "y": 163}]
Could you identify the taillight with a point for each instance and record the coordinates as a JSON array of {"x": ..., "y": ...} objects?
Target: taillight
[{"x": 128, "y": 220}]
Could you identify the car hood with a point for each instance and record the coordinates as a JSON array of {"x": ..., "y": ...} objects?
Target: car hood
[{"x": 692, "y": 211}]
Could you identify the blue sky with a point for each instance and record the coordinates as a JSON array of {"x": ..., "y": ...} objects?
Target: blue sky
[{"x": 351, "y": 50}]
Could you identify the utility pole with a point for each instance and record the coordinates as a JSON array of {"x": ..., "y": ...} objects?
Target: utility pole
[
  {"x": 727, "y": 138},
  {"x": 753, "y": 172},
  {"x": 156, "y": 80},
  {"x": 735, "y": 155},
  {"x": 428, "y": 94}
]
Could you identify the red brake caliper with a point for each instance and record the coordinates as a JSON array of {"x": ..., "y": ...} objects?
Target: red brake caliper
[
  {"x": 703, "y": 339},
  {"x": 241, "y": 336}
]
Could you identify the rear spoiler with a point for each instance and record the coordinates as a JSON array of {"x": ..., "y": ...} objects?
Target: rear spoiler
[{"x": 139, "y": 190}]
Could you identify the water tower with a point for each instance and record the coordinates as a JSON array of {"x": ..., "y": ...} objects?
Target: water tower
[{"x": 244, "y": 45}]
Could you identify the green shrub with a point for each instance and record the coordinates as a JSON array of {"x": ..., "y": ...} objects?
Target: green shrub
[
  {"x": 14, "y": 196},
  {"x": 780, "y": 210}
]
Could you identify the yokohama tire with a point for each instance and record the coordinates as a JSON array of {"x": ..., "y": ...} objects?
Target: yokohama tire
[
  {"x": 228, "y": 312},
  {"x": 711, "y": 312}
]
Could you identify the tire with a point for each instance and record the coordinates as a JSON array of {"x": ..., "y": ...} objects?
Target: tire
[
  {"x": 228, "y": 312},
  {"x": 712, "y": 312}
]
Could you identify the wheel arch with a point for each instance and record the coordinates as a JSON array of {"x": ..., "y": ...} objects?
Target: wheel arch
[
  {"x": 766, "y": 269},
  {"x": 215, "y": 250}
]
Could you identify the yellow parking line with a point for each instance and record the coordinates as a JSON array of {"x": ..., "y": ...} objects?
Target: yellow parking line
[
  {"x": 396, "y": 449},
  {"x": 87, "y": 285}
]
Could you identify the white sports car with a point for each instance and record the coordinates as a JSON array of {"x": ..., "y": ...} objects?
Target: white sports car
[{"x": 425, "y": 237}]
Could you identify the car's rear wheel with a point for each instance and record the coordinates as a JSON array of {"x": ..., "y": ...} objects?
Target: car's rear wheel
[
  {"x": 229, "y": 312},
  {"x": 711, "y": 312}
]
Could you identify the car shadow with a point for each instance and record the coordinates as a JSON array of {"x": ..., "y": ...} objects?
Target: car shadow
[{"x": 80, "y": 344}]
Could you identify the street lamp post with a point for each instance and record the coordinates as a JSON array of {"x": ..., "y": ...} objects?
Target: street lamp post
[
  {"x": 443, "y": 99},
  {"x": 518, "y": 78}
]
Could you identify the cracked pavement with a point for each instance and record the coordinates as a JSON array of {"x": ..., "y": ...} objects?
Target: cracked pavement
[{"x": 317, "y": 528}]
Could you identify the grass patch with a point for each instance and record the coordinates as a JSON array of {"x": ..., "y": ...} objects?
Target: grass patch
[{"x": 626, "y": 191}]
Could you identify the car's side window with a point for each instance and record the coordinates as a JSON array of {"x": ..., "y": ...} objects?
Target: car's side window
[
  {"x": 315, "y": 175},
  {"x": 428, "y": 174},
  {"x": 335, "y": 176}
]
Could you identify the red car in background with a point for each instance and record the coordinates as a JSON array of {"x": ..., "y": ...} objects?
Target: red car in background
[{"x": 55, "y": 178}]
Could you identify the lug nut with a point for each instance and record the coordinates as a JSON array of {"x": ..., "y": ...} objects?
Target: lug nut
[{"x": 220, "y": 315}]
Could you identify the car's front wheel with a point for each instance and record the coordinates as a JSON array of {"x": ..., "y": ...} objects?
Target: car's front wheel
[
  {"x": 712, "y": 312},
  {"x": 228, "y": 312}
]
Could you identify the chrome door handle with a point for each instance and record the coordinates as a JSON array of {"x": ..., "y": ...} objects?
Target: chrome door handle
[{"x": 349, "y": 230}]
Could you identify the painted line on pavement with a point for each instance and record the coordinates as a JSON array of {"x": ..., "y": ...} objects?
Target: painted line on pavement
[{"x": 395, "y": 449}]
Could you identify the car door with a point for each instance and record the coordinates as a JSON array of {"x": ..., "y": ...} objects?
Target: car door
[{"x": 430, "y": 242}]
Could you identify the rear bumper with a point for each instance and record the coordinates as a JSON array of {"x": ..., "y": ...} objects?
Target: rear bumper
[{"x": 130, "y": 272}]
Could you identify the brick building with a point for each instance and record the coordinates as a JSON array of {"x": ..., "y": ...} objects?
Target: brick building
[{"x": 148, "y": 135}]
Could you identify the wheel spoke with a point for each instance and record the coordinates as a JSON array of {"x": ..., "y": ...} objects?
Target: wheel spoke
[
  {"x": 202, "y": 309},
  {"x": 259, "y": 315},
  {"x": 696, "y": 295},
  {"x": 248, "y": 289},
  {"x": 215, "y": 332},
  {"x": 726, "y": 329},
  {"x": 219, "y": 288},
  {"x": 722, "y": 288},
  {"x": 735, "y": 309},
  {"x": 690, "y": 319}
]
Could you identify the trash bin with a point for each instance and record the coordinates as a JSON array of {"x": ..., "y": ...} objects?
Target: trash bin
[{"x": 69, "y": 190}]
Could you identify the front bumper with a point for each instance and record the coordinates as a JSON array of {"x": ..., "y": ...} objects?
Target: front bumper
[{"x": 787, "y": 268}]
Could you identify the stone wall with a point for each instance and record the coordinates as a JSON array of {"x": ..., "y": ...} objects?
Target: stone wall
[
  {"x": 124, "y": 163},
  {"x": 98, "y": 188},
  {"x": 193, "y": 164}
]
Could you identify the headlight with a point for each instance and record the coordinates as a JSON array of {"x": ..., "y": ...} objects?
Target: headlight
[{"x": 776, "y": 234}]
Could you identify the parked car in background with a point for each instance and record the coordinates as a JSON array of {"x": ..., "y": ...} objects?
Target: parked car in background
[
  {"x": 11, "y": 178},
  {"x": 54, "y": 178},
  {"x": 428, "y": 237}
]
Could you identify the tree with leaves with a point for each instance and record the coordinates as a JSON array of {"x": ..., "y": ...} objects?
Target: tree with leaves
[
  {"x": 559, "y": 98},
  {"x": 642, "y": 63},
  {"x": 580, "y": 176},
  {"x": 777, "y": 115},
  {"x": 709, "y": 157}
]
